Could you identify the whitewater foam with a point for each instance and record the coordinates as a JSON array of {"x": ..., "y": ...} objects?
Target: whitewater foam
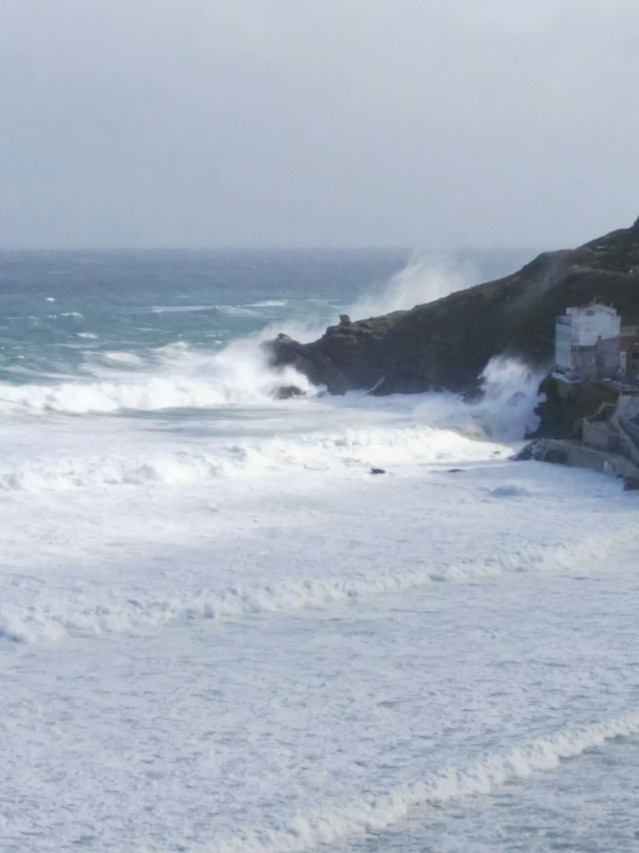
[
  {"x": 319, "y": 451},
  {"x": 274, "y": 639},
  {"x": 50, "y": 618},
  {"x": 334, "y": 824},
  {"x": 238, "y": 375}
]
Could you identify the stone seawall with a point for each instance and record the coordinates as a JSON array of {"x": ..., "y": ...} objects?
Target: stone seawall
[{"x": 566, "y": 452}]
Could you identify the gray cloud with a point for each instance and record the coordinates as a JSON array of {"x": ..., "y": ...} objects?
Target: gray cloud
[{"x": 317, "y": 122}]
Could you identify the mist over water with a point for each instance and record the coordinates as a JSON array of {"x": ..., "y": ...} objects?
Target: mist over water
[{"x": 220, "y": 632}]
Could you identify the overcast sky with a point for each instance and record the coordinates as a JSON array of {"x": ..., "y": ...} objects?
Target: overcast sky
[{"x": 430, "y": 123}]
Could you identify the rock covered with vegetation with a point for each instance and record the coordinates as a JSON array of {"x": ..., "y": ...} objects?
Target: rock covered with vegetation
[{"x": 447, "y": 343}]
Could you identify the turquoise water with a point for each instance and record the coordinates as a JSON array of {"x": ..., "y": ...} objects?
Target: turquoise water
[{"x": 56, "y": 306}]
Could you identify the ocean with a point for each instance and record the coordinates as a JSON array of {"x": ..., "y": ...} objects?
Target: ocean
[{"x": 221, "y": 633}]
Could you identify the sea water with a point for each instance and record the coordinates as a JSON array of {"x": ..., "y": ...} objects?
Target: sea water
[{"x": 219, "y": 632}]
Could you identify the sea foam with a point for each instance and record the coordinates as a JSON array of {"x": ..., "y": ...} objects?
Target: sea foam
[
  {"x": 180, "y": 379},
  {"x": 337, "y": 451},
  {"x": 49, "y": 618},
  {"x": 334, "y": 824}
]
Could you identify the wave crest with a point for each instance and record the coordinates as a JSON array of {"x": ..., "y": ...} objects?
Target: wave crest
[
  {"x": 183, "y": 379},
  {"x": 374, "y": 814},
  {"x": 49, "y": 619}
]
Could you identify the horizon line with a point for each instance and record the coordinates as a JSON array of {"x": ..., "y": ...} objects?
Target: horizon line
[{"x": 273, "y": 248}]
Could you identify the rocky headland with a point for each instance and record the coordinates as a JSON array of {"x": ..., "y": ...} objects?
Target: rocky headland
[{"x": 446, "y": 344}]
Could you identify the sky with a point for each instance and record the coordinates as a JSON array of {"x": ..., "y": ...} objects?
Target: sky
[{"x": 292, "y": 123}]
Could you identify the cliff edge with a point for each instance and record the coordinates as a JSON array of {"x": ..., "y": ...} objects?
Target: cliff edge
[{"x": 447, "y": 343}]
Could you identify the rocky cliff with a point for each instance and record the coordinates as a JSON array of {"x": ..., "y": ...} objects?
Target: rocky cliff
[{"x": 447, "y": 343}]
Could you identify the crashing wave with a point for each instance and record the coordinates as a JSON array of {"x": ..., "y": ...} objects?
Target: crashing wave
[{"x": 334, "y": 824}]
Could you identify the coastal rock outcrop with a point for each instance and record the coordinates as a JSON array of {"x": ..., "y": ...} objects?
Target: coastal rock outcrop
[
  {"x": 564, "y": 406},
  {"x": 447, "y": 343}
]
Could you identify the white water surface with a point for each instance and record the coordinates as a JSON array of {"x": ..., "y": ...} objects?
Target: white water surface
[{"x": 221, "y": 633}]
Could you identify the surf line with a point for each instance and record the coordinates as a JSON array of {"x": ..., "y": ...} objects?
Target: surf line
[{"x": 373, "y": 814}]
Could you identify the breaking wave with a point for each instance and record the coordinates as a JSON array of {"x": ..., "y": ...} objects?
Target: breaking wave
[
  {"x": 52, "y": 619},
  {"x": 237, "y": 375},
  {"x": 510, "y": 393},
  {"x": 336, "y": 823},
  {"x": 177, "y": 377},
  {"x": 321, "y": 451}
]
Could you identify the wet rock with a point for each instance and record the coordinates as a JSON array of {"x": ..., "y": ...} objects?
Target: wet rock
[
  {"x": 526, "y": 453},
  {"x": 565, "y": 406},
  {"x": 285, "y": 392},
  {"x": 558, "y": 457}
]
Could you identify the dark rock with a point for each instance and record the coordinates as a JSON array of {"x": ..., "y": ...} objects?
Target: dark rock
[
  {"x": 538, "y": 451},
  {"x": 378, "y": 471},
  {"x": 318, "y": 367},
  {"x": 285, "y": 392},
  {"x": 525, "y": 454},
  {"x": 447, "y": 343},
  {"x": 631, "y": 484},
  {"x": 566, "y": 405},
  {"x": 455, "y": 470},
  {"x": 558, "y": 457}
]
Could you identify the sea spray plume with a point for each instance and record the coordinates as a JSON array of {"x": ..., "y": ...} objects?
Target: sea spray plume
[
  {"x": 243, "y": 367},
  {"x": 426, "y": 278},
  {"x": 334, "y": 824},
  {"x": 502, "y": 409},
  {"x": 510, "y": 393}
]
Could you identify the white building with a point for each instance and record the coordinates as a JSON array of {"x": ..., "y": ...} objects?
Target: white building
[{"x": 587, "y": 343}]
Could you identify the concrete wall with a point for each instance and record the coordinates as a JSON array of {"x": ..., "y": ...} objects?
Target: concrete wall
[
  {"x": 579, "y": 456},
  {"x": 597, "y": 362},
  {"x": 630, "y": 352},
  {"x": 599, "y": 435}
]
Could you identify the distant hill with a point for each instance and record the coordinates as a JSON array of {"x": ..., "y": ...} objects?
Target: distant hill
[{"x": 447, "y": 343}]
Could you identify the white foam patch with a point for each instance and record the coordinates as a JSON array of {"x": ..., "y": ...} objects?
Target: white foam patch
[
  {"x": 126, "y": 358},
  {"x": 270, "y": 303},
  {"x": 237, "y": 310},
  {"x": 181, "y": 309},
  {"x": 334, "y": 452},
  {"x": 335, "y": 824}
]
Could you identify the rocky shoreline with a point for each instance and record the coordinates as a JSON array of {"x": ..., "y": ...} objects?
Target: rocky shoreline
[{"x": 447, "y": 343}]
